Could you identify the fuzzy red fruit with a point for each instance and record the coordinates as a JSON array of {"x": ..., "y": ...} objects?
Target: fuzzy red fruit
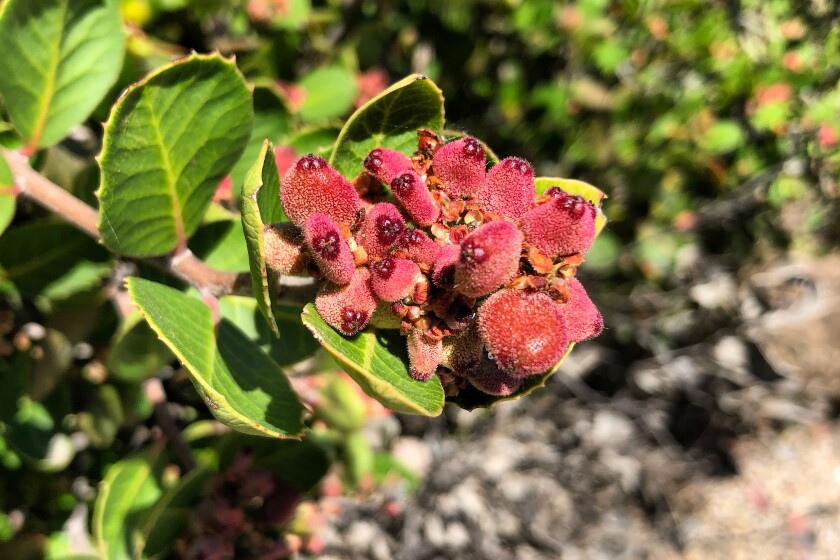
[
  {"x": 525, "y": 334},
  {"x": 460, "y": 165},
  {"x": 415, "y": 197},
  {"x": 284, "y": 253},
  {"x": 347, "y": 308},
  {"x": 508, "y": 189},
  {"x": 383, "y": 227},
  {"x": 393, "y": 279},
  {"x": 385, "y": 164},
  {"x": 423, "y": 355},
  {"x": 583, "y": 320},
  {"x": 565, "y": 225},
  {"x": 489, "y": 378},
  {"x": 462, "y": 351},
  {"x": 312, "y": 186},
  {"x": 418, "y": 247},
  {"x": 443, "y": 275},
  {"x": 489, "y": 258},
  {"x": 328, "y": 249}
]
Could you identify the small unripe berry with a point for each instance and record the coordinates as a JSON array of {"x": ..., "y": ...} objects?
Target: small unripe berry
[
  {"x": 489, "y": 378},
  {"x": 424, "y": 355},
  {"x": 283, "y": 245},
  {"x": 565, "y": 225},
  {"x": 489, "y": 258},
  {"x": 415, "y": 198},
  {"x": 328, "y": 249},
  {"x": 418, "y": 246},
  {"x": 385, "y": 164},
  {"x": 460, "y": 165},
  {"x": 392, "y": 279},
  {"x": 462, "y": 351},
  {"x": 383, "y": 227},
  {"x": 583, "y": 320},
  {"x": 347, "y": 308},
  {"x": 508, "y": 189},
  {"x": 525, "y": 334},
  {"x": 312, "y": 186}
]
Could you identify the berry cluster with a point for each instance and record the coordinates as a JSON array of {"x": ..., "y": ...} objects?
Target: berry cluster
[{"x": 474, "y": 268}]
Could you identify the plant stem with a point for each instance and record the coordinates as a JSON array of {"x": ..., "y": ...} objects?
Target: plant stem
[{"x": 183, "y": 263}]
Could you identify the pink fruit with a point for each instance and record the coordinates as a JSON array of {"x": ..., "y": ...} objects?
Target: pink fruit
[
  {"x": 525, "y": 334},
  {"x": 312, "y": 186},
  {"x": 443, "y": 275},
  {"x": 328, "y": 249},
  {"x": 565, "y": 225},
  {"x": 460, "y": 165},
  {"x": 393, "y": 279},
  {"x": 423, "y": 355},
  {"x": 385, "y": 164},
  {"x": 489, "y": 378},
  {"x": 508, "y": 189},
  {"x": 415, "y": 198},
  {"x": 418, "y": 246},
  {"x": 347, "y": 308},
  {"x": 583, "y": 320},
  {"x": 383, "y": 227},
  {"x": 489, "y": 258},
  {"x": 284, "y": 253}
]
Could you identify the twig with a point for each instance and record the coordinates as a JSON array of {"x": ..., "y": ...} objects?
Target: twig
[
  {"x": 153, "y": 389},
  {"x": 183, "y": 264}
]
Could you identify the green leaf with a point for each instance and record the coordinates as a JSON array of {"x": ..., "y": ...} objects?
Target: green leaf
[
  {"x": 272, "y": 120},
  {"x": 136, "y": 353},
  {"x": 329, "y": 93},
  {"x": 378, "y": 362},
  {"x": 722, "y": 137},
  {"x": 221, "y": 244},
  {"x": 34, "y": 255},
  {"x": 169, "y": 141},
  {"x": 170, "y": 515},
  {"x": 260, "y": 204},
  {"x": 129, "y": 489},
  {"x": 471, "y": 398},
  {"x": 60, "y": 58},
  {"x": 315, "y": 140},
  {"x": 294, "y": 343},
  {"x": 579, "y": 188},
  {"x": 390, "y": 119},
  {"x": 242, "y": 386},
  {"x": 7, "y": 199}
]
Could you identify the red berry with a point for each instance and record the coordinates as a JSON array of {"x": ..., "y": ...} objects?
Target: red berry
[
  {"x": 460, "y": 165},
  {"x": 385, "y": 164},
  {"x": 489, "y": 378},
  {"x": 283, "y": 245},
  {"x": 415, "y": 198},
  {"x": 383, "y": 227},
  {"x": 489, "y": 258},
  {"x": 508, "y": 189},
  {"x": 418, "y": 246},
  {"x": 393, "y": 279},
  {"x": 328, "y": 249},
  {"x": 565, "y": 225},
  {"x": 524, "y": 333},
  {"x": 583, "y": 320},
  {"x": 312, "y": 186},
  {"x": 423, "y": 355},
  {"x": 347, "y": 308}
]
